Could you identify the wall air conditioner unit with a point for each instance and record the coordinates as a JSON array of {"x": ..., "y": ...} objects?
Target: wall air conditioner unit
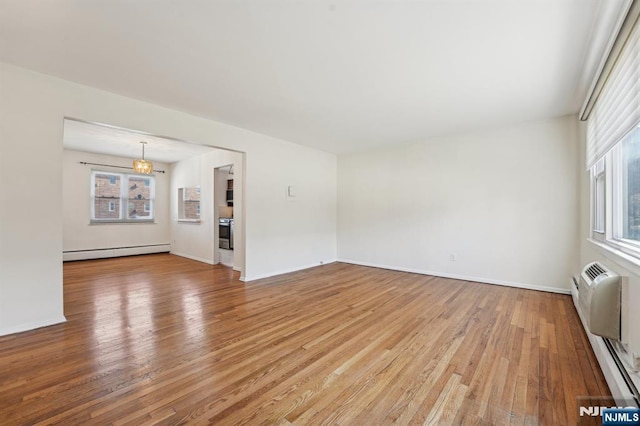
[
  {"x": 597, "y": 297},
  {"x": 599, "y": 291}
]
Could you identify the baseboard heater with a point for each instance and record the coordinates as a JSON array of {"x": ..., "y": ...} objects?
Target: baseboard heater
[
  {"x": 597, "y": 298},
  {"x": 103, "y": 253}
]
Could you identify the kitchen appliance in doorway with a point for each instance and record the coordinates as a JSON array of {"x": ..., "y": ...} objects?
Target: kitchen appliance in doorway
[{"x": 225, "y": 228}]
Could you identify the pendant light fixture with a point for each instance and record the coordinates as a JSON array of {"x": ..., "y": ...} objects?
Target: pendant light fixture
[{"x": 143, "y": 166}]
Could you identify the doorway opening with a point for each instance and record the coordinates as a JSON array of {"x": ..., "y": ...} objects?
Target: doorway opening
[
  {"x": 224, "y": 182},
  {"x": 110, "y": 210}
]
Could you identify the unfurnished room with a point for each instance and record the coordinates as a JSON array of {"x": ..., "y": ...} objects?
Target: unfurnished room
[{"x": 361, "y": 212}]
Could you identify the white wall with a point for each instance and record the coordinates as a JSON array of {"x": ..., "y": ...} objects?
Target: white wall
[
  {"x": 199, "y": 240},
  {"x": 30, "y": 241},
  {"x": 32, "y": 109},
  {"x": 188, "y": 239},
  {"x": 79, "y": 234},
  {"x": 504, "y": 201}
]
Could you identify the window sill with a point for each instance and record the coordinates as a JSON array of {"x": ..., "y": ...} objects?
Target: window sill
[
  {"x": 121, "y": 222},
  {"x": 188, "y": 220},
  {"x": 618, "y": 256}
]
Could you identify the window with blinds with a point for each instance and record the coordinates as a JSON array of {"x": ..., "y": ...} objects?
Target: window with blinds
[
  {"x": 613, "y": 153},
  {"x": 617, "y": 110}
]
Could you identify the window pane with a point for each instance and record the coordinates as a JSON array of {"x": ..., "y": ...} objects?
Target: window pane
[
  {"x": 107, "y": 196},
  {"x": 139, "y": 197},
  {"x": 599, "y": 203},
  {"x": 191, "y": 203},
  {"x": 630, "y": 193},
  {"x": 118, "y": 197}
]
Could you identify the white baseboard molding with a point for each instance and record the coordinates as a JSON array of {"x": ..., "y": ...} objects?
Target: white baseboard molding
[
  {"x": 461, "y": 277},
  {"x": 617, "y": 385},
  {"x": 284, "y": 271},
  {"x": 32, "y": 325},
  {"x": 114, "y": 252},
  {"x": 196, "y": 258}
]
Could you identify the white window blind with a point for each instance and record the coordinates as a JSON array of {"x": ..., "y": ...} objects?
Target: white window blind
[{"x": 617, "y": 110}]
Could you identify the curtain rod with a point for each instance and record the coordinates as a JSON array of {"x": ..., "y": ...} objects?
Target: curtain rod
[
  {"x": 621, "y": 39},
  {"x": 110, "y": 165}
]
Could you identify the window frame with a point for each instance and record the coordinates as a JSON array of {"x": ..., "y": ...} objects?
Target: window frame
[
  {"x": 123, "y": 198},
  {"x": 614, "y": 180},
  {"x": 182, "y": 210},
  {"x": 598, "y": 174}
]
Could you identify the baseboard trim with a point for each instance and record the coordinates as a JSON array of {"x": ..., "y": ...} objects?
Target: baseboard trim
[
  {"x": 460, "y": 277},
  {"x": 105, "y": 253},
  {"x": 196, "y": 258},
  {"x": 284, "y": 271},
  {"x": 32, "y": 325}
]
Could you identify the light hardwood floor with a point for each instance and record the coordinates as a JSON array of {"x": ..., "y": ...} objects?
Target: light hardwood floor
[{"x": 162, "y": 339}]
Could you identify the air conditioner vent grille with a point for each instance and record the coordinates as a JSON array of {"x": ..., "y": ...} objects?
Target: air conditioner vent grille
[
  {"x": 594, "y": 270},
  {"x": 599, "y": 300}
]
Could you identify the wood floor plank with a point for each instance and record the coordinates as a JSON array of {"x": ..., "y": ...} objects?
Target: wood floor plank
[{"x": 160, "y": 339}]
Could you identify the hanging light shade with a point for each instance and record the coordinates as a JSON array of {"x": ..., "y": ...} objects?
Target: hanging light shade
[{"x": 143, "y": 166}]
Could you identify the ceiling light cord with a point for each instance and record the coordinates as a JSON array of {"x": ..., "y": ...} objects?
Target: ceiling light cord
[{"x": 143, "y": 166}]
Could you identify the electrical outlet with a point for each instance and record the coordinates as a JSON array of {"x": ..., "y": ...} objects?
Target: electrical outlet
[{"x": 453, "y": 257}]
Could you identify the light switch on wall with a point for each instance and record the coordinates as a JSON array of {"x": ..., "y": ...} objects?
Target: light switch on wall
[{"x": 291, "y": 191}]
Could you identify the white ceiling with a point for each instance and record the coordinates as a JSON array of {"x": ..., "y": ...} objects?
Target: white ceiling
[
  {"x": 337, "y": 75},
  {"x": 80, "y": 136}
]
